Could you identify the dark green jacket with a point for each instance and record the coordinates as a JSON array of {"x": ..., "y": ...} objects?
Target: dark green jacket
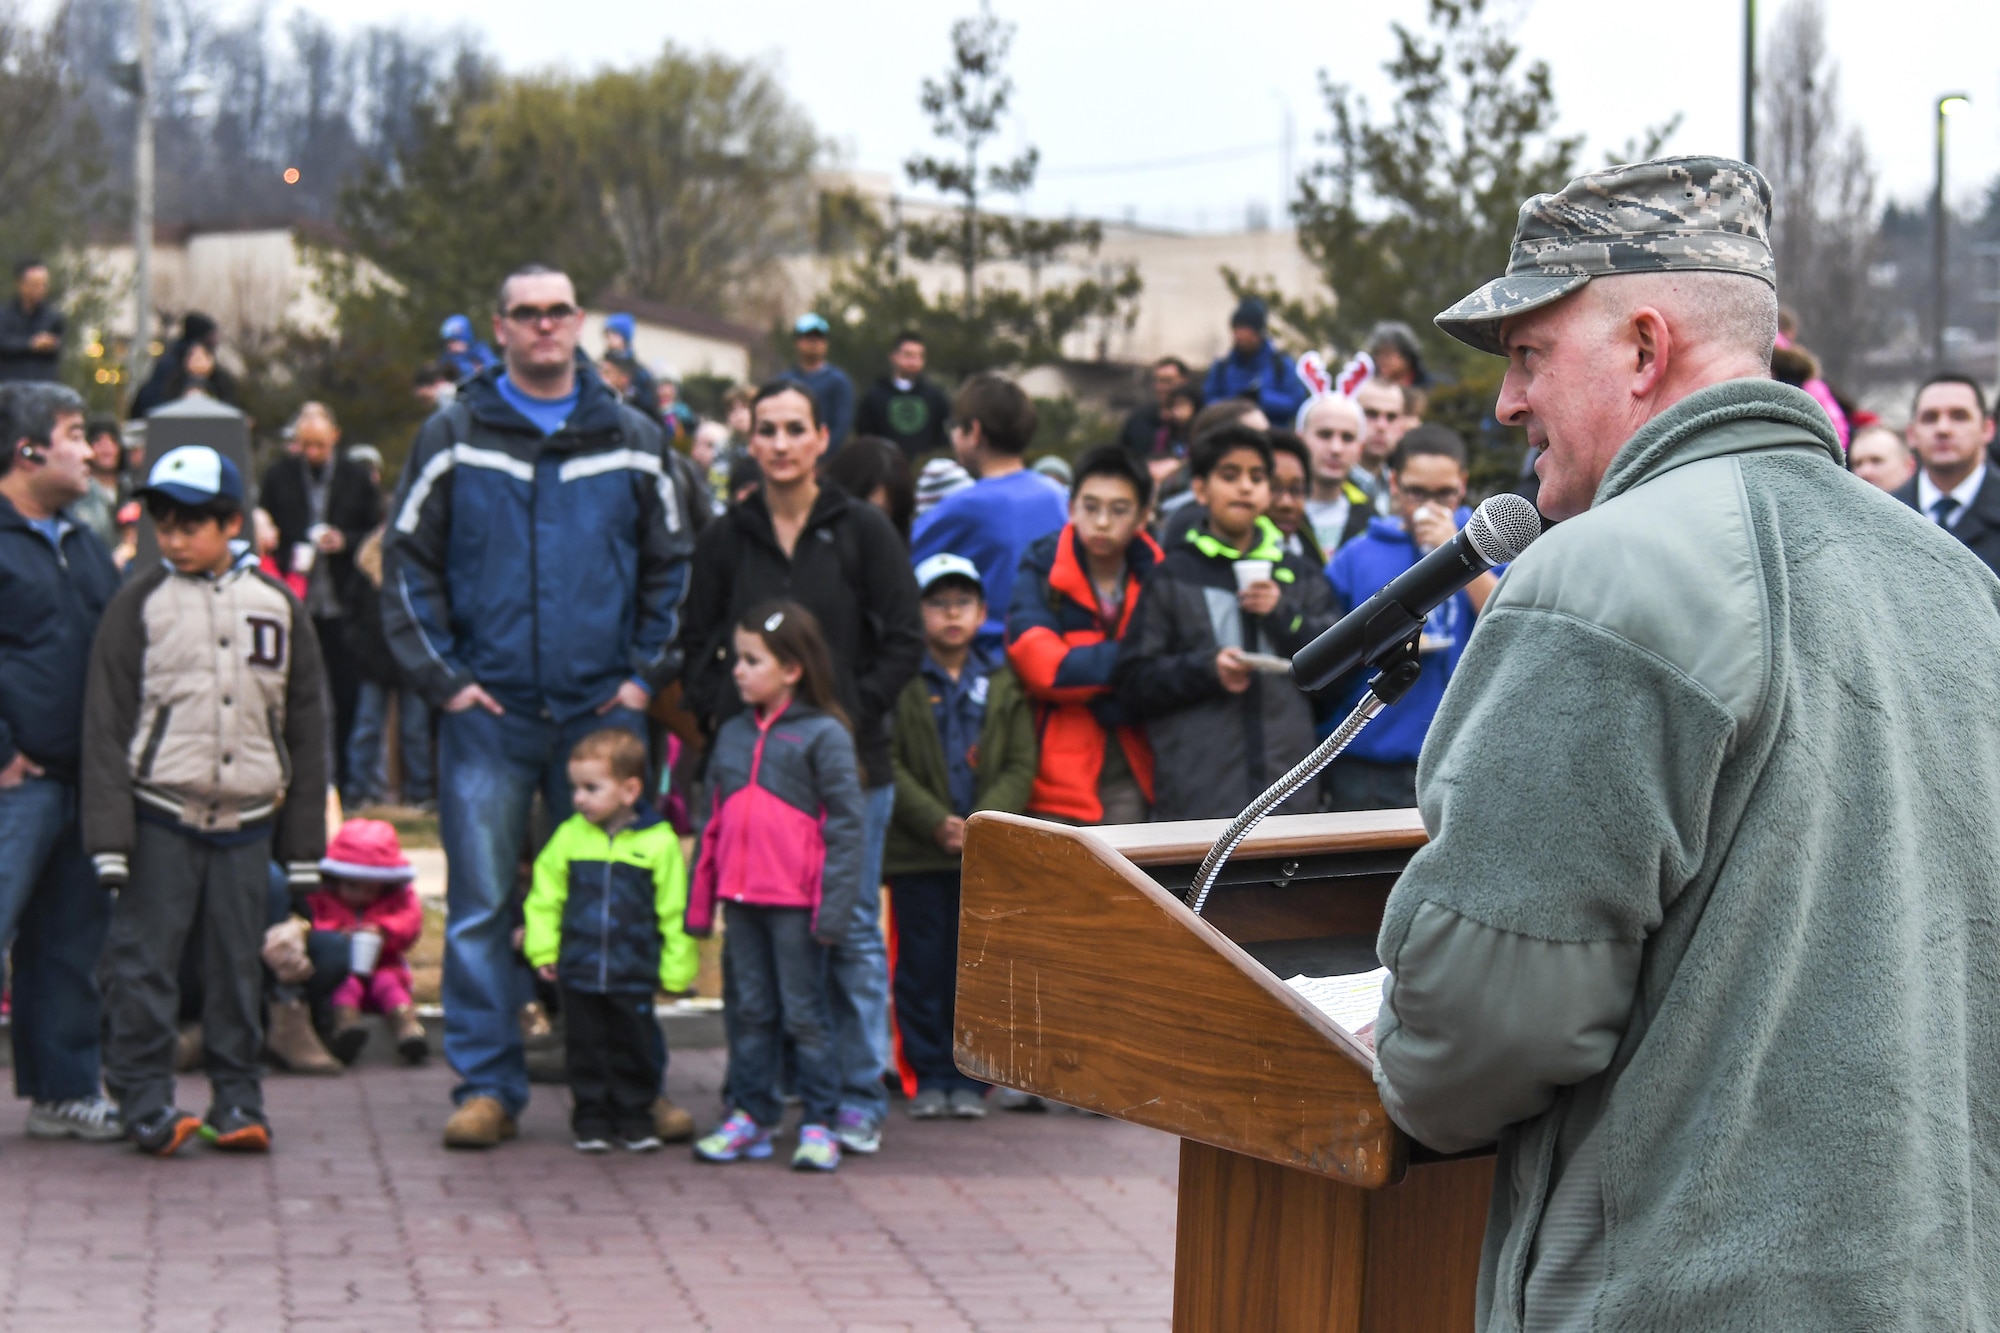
[{"x": 1004, "y": 772}]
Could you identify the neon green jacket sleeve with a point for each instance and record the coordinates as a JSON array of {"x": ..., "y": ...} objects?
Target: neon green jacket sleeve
[
  {"x": 550, "y": 891},
  {"x": 678, "y": 960}
]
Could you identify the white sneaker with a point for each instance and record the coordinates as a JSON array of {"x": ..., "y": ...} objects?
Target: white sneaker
[{"x": 93, "y": 1119}]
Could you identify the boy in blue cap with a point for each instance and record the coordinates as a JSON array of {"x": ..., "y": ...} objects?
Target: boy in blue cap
[{"x": 204, "y": 759}]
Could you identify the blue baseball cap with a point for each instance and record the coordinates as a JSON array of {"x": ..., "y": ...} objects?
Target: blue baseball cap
[
  {"x": 194, "y": 474},
  {"x": 809, "y": 324},
  {"x": 456, "y": 328}
]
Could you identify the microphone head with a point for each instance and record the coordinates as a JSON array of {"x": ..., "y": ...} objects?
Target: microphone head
[{"x": 1503, "y": 527}]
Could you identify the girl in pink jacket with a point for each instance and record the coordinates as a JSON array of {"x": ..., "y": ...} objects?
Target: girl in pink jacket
[{"x": 783, "y": 849}]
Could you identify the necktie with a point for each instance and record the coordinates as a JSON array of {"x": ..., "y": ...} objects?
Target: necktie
[{"x": 1943, "y": 510}]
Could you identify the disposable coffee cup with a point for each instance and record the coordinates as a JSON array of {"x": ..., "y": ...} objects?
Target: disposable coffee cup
[
  {"x": 364, "y": 947},
  {"x": 1251, "y": 571},
  {"x": 303, "y": 555}
]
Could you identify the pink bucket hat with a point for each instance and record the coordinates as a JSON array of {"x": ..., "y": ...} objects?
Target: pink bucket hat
[{"x": 367, "y": 849}]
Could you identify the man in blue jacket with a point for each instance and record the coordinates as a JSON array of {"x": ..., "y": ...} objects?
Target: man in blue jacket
[
  {"x": 1254, "y": 367},
  {"x": 828, "y": 382},
  {"x": 55, "y": 579},
  {"x": 1427, "y": 491},
  {"x": 536, "y": 562}
]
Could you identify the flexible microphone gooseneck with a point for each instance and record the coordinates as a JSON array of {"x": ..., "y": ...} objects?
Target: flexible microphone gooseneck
[{"x": 1380, "y": 632}]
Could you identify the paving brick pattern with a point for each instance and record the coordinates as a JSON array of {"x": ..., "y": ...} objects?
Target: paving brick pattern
[{"x": 361, "y": 1223}]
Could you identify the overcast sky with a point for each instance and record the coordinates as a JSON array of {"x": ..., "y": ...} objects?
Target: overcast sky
[{"x": 1173, "y": 112}]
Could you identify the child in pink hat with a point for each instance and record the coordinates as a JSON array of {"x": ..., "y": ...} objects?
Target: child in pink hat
[{"x": 365, "y": 889}]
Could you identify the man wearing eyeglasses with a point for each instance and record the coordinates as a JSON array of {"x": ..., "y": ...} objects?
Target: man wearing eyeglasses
[
  {"x": 535, "y": 567},
  {"x": 1384, "y": 419},
  {"x": 1427, "y": 479}
]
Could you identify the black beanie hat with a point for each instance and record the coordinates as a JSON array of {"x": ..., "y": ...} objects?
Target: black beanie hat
[{"x": 1251, "y": 313}]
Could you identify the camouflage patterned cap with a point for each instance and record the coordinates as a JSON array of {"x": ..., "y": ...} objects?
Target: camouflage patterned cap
[{"x": 1672, "y": 213}]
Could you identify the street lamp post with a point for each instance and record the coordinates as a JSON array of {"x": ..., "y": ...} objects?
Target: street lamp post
[
  {"x": 1750, "y": 81},
  {"x": 142, "y": 204},
  {"x": 1947, "y": 106}
]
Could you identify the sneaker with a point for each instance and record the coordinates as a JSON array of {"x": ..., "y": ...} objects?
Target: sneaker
[
  {"x": 967, "y": 1104},
  {"x": 163, "y": 1132},
  {"x": 237, "y": 1130},
  {"x": 929, "y": 1104},
  {"x": 859, "y": 1132},
  {"x": 94, "y": 1119},
  {"x": 645, "y": 1143},
  {"x": 818, "y": 1150},
  {"x": 734, "y": 1139},
  {"x": 1013, "y": 1099},
  {"x": 592, "y": 1143}
]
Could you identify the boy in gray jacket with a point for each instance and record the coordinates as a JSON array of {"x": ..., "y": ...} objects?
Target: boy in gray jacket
[{"x": 204, "y": 756}]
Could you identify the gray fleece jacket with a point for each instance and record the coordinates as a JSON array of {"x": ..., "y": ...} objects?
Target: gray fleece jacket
[{"x": 1708, "y": 934}]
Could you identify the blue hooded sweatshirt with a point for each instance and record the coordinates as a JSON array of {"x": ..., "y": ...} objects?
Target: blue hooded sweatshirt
[
  {"x": 1357, "y": 573},
  {"x": 1267, "y": 371}
]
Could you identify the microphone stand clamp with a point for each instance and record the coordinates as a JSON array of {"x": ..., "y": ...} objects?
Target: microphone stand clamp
[{"x": 1399, "y": 669}]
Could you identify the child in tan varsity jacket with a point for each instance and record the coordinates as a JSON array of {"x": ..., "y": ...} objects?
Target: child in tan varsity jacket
[{"x": 204, "y": 760}]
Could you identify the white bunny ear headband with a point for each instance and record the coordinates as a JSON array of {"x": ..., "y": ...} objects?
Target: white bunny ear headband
[{"x": 1313, "y": 373}]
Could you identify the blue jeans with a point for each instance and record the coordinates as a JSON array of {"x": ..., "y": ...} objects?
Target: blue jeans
[
  {"x": 777, "y": 976},
  {"x": 367, "y": 752},
  {"x": 491, "y": 768},
  {"x": 859, "y": 975},
  {"x": 56, "y": 917}
]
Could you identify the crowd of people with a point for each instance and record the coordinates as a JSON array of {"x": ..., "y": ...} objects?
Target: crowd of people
[{"x": 816, "y": 636}]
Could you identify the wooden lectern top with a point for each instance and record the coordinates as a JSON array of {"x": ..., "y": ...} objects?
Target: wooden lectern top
[{"x": 1084, "y": 978}]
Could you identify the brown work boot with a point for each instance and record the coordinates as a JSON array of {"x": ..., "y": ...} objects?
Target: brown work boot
[
  {"x": 670, "y": 1123},
  {"x": 479, "y": 1122},
  {"x": 291, "y": 1044},
  {"x": 411, "y": 1043},
  {"x": 348, "y": 1034},
  {"x": 188, "y": 1049}
]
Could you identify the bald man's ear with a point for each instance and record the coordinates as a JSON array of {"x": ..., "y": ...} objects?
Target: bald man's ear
[{"x": 1653, "y": 349}]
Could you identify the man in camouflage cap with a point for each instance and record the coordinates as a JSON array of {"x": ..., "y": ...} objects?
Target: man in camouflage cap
[{"x": 1705, "y": 936}]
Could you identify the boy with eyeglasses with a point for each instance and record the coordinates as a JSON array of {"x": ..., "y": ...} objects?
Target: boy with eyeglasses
[{"x": 1427, "y": 480}]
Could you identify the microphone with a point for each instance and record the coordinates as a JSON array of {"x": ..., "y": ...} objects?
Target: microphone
[{"x": 1500, "y": 530}]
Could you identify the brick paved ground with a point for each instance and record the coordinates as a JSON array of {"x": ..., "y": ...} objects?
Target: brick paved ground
[{"x": 360, "y": 1222}]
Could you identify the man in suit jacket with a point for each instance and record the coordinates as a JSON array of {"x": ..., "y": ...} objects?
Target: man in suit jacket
[
  {"x": 1950, "y": 432},
  {"x": 325, "y": 505}
]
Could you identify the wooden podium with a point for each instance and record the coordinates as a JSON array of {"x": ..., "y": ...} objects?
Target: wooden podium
[{"x": 1083, "y": 978}]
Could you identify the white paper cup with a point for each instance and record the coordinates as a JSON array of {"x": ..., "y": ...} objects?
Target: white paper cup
[
  {"x": 365, "y": 947},
  {"x": 1251, "y": 571},
  {"x": 303, "y": 555}
]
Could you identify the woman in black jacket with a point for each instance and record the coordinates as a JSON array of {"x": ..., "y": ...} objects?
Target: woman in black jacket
[{"x": 839, "y": 558}]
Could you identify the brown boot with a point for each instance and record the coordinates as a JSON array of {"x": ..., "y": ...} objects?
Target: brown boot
[
  {"x": 348, "y": 1034},
  {"x": 291, "y": 1044},
  {"x": 670, "y": 1123},
  {"x": 188, "y": 1049},
  {"x": 479, "y": 1123},
  {"x": 411, "y": 1043}
]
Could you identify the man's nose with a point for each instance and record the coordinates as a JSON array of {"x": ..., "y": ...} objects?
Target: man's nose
[{"x": 1512, "y": 407}]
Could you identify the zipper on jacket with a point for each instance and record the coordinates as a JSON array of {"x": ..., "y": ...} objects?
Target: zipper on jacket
[
  {"x": 604, "y": 913},
  {"x": 154, "y": 737},
  {"x": 757, "y": 762}
]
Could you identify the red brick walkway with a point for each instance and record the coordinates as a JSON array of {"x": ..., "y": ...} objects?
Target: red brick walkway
[{"x": 360, "y": 1222}]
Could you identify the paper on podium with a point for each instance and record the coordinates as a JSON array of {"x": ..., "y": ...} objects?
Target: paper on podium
[{"x": 1351, "y": 1001}]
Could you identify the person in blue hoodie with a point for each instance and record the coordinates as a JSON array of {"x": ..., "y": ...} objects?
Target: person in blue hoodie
[
  {"x": 993, "y": 522},
  {"x": 534, "y": 569},
  {"x": 1427, "y": 508},
  {"x": 620, "y": 330},
  {"x": 461, "y": 353},
  {"x": 1254, "y": 367},
  {"x": 828, "y": 382}
]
